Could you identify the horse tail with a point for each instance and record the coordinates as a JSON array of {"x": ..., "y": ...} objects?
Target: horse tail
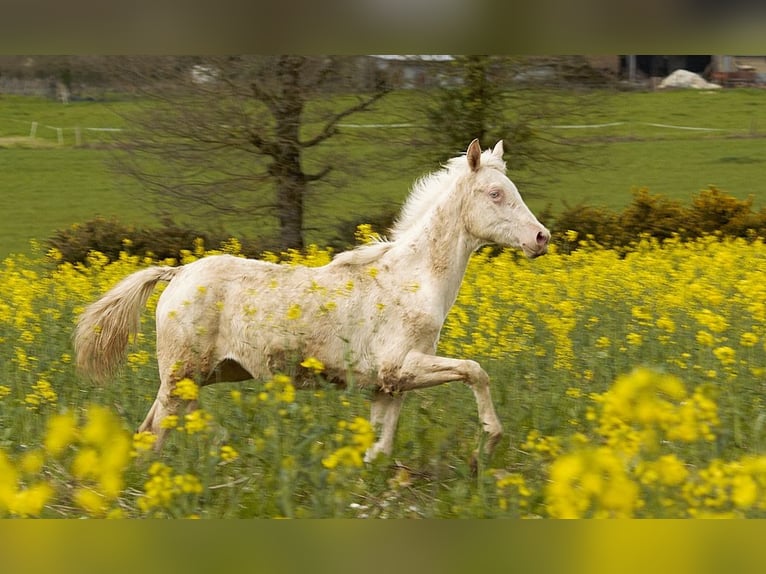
[{"x": 105, "y": 327}]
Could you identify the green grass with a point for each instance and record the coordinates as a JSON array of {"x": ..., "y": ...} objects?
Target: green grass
[
  {"x": 46, "y": 186},
  {"x": 675, "y": 168}
]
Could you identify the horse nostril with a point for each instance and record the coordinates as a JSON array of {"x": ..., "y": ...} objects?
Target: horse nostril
[{"x": 542, "y": 238}]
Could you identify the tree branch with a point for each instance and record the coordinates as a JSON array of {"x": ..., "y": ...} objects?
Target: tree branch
[
  {"x": 330, "y": 127},
  {"x": 317, "y": 176}
]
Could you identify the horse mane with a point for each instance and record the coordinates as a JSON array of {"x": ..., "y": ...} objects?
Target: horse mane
[
  {"x": 427, "y": 191},
  {"x": 432, "y": 189},
  {"x": 364, "y": 254}
]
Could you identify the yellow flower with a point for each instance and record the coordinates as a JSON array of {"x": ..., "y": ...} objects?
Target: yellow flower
[
  {"x": 705, "y": 338},
  {"x": 228, "y": 453},
  {"x": 186, "y": 389},
  {"x": 634, "y": 339},
  {"x": 744, "y": 491},
  {"x": 42, "y": 394},
  {"x": 143, "y": 441},
  {"x": 101, "y": 426},
  {"x": 197, "y": 421},
  {"x": 313, "y": 364},
  {"x": 294, "y": 312},
  {"x": 603, "y": 342},
  {"x": 32, "y": 462},
  {"x": 90, "y": 501},
  {"x": 62, "y": 431},
  {"x": 666, "y": 324},
  {"x": 748, "y": 339},
  {"x": 591, "y": 482},
  {"x": 30, "y": 501},
  {"x": 360, "y": 434},
  {"x": 187, "y": 483},
  {"x": 671, "y": 470},
  {"x": 365, "y": 234},
  {"x": 86, "y": 463},
  {"x": 726, "y": 355},
  {"x": 169, "y": 422}
]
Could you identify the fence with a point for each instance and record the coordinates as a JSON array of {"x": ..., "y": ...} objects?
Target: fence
[{"x": 78, "y": 132}]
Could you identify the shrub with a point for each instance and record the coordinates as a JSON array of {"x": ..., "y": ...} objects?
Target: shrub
[
  {"x": 715, "y": 210},
  {"x": 653, "y": 215},
  {"x": 110, "y": 237}
]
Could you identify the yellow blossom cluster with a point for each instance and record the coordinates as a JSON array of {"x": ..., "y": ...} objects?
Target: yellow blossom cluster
[
  {"x": 694, "y": 306},
  {"x": 94, "y": 455},
  {"x": 556, "y": 335},
  {"x": 631, "y": 465},
  {"x": 197, "y": 421},
  {"x": 352, "y": 438},
  {"x": 42, "y": 394},
  {"x": 187, "y": 390},
  {"x": 165, "y": 487},
  {"x": 278, "y": 390}
]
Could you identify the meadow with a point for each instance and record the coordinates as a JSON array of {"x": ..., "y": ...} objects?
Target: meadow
[
  {"x": 629, "y": 386},
  {"x": 49, "y": 185}
]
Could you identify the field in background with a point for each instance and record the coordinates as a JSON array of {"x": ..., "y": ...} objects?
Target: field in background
[{"x": 49, "y": 183}]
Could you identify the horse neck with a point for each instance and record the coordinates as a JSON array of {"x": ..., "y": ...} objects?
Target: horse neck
[{"x": 440, "y": 248}]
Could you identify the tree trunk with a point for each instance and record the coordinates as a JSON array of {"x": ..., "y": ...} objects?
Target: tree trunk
[
  {"x": 291, "y": 191},
  {"x": 291, "y": 184}
]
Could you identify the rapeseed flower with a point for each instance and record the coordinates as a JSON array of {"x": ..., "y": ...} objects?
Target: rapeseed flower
[
  {"x": 294, "y": 312},
  {"x": 186, "y": 389},
  {"x": 313, "y": 364},
  {"x": 197, "y": 421},
  {"x": 42, "y": 394},
  {"x": 354, "y": 438},
  {"x": 591, "y": 482},
  {"x": 143, "y": 441},
  {"x": 62, "y": 431},
  {"x": 228, "y": 453},
  {"x": 164, "y": 488}
]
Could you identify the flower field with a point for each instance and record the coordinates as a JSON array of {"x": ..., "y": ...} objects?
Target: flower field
[{"x": 629, "y": 384}]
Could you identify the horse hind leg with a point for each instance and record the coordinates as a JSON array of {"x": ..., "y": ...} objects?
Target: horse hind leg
[
  {"x": 384, "y": 416},
  {"x": 165, "y": 404}
]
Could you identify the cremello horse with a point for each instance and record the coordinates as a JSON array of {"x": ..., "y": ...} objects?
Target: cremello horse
[{"x": 372, "y": 315}]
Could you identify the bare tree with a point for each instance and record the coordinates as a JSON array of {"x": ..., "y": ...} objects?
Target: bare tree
[{"x": 236, "y": 135}]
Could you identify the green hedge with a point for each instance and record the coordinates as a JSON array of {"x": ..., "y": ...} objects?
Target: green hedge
[
  {"x": 110, "y": 237},
  {"x": 711, "y": 211}
]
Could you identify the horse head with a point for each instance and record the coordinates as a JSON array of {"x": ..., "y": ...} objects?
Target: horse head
[{"x": 494, "y": 211}]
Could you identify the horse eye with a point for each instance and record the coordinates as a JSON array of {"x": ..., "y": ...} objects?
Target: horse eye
[{"x": 495, "y": 194}]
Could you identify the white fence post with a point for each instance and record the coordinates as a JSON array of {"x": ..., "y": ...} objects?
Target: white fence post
[{"x": 33, "y": 130}]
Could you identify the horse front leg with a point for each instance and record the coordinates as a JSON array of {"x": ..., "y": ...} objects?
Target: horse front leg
[{"x": 420, "y": 370}]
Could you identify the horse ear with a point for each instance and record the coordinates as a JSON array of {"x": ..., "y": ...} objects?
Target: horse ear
[
  {"x": 474, "y": 155},
  {"x": 498, "y": 150}
]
